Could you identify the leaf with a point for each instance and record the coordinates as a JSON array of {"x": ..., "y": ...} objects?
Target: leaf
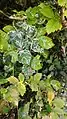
[
  {"x": 3, "y": 41},
  {"x": 46, "y": 117},
  {"x": 45, "y": 54},
  {"x": 35, "y": 63},
  {"x": 58, "y": 111},
  {"x": 65, "y": 13},
  {"x": 50, "y": 96},
  {"x": 53, "y": 116},
  {"x": 31, "y": 15},
  {"x": 3, "y": 91},
  {"x": 55, "y": 84},
  {"x": 34, "y": 81},
  {"x": 37, "y": 77},
  {"x": 12, "y": 95},
  {"x": 46, "y": 10},
  {"x": 58, "y": 102},
  {"x": 41, "y": 31},
  {"x": 13, "y": 80},
  {"x": 21, "y": 88},
  {"x": 3, "y": 81},
  {"x": 27, "y": 71},
  {"x": 33, "y": 84},
  {"x": 6, "y": 110},
  {"x": 53, "y": 25},
  {"x": 8, "y": 28},
  {"x": 14, "y": 56},
  {"x": 46, "y": 42},
  {"x": 23, "y": 112},
  {"x": 4, "y": 107},
  {"x": 21, "y": 77},
  {"x": 25, "y": 57},
  {"x": 62, "y": 3}
]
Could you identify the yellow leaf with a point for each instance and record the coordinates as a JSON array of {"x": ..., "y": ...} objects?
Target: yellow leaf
[
  {"x": 50, "y": 96},
  {"x": 13, "y": 80}
]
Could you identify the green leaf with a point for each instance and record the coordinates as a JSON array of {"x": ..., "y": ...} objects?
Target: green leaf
[
  {"x": 41, "y": 31},
  {"x": 35, "y": 63},
  {"x": 54, "y": 115},
  {"x": 45, "y": 54},
  {"x": 53, "y": 25},
  {"x": 3, "y": 81},
  {"x": 31, "y": 15},
  {"x": 59, "y": 111},
  {"x": 58, "y": 102},
  {"x": 21, "y": 88},
  {"x": 34, "y": 81},
  {"x": 62, "y": 3},
  {"x": 6, "y": 109},
  {"x": 3, "y": 90},
  {"x": 12, "y": 95},
  {"x": 45, "y": 42},
  {"x": 23, "y": 112},
  {"x": 8, "y": 28},
  {"x": 37, "y": 77},
  {"x": 21, "y": 77},
  {"x": 65, "y": 13},
  {"x": 14, "y": 56},
  {"x": 3, "y": 41},
  {"x": 55, "y": 84},
  {"x": 46, "y": 10}
]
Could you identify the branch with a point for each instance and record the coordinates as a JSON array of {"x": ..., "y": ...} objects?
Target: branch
[{"x": 14, "y": 18}]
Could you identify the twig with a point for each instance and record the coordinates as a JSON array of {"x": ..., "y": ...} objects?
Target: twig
[{"x": 14, "y": 18}]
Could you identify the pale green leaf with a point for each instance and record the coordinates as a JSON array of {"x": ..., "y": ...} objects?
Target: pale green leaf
[
  {"x": 21, "y": 77},
  {"x": 21, "y": 88},
  {"x": 53, "y": 25},
  {"x": 37, "y": 77},
  {"x": 58, "y": 110},
  {"x": 3, "y": 81},
  {"x": 13, "y": 80},
  {"x": 12, "y": 95},
  {"x": 54, "y": 115},
  {"x": 45, "y": 42},
  {"x": 65, "y": 13},
  {"x": 58, "y": 102},
  {"x": 36, "y": 63},
  {"x": 62, "y": 3},
  {"x": 8, "y": 28},
  {"x": 3, "y": 41},
  {"x": 55, "y": 84}
]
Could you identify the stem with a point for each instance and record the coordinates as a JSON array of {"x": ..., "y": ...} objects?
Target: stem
[
  {"x": 14, "y": 18},
  {"x": 13, "y": 69}
]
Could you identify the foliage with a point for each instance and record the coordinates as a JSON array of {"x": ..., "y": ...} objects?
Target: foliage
[{"x": 34, "y": 63}]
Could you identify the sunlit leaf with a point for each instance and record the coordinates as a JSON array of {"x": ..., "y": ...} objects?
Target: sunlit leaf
[
  {"x": 53, "y": 116},
  {"x": 21, "y": 77},
  {"x": 58, "y": 102},
  {"x": 50, "y": 96},
  {"x": 8, "y": 28},
  {"x": 55, "y": 84},
  {"x": 21, "y": 88},
  {"x": 3, "y": 41},
  {"x": 45, "y": 42},
  {"x": 62, "y": 3},
  {"x": 13, "y": 80},
  {"x": 36, "y": 63},
  {"x": 53, "y": 25},
  {"x": 46, "y": 10}
]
